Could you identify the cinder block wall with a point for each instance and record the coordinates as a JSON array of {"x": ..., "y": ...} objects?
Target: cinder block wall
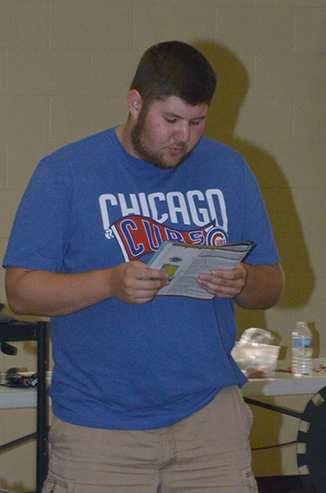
[{"x": 65, "y": 68}]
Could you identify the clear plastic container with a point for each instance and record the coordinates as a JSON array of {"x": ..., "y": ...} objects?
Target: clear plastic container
[
  {"x": 301, "y": 350},
  {"x": 256, "y": 360}
]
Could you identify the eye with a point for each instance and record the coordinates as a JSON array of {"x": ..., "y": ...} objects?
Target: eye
[{"x": 171, "y": 120}]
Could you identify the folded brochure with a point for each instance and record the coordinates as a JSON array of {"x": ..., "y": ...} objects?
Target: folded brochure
[{"x": 184, "y": 262}]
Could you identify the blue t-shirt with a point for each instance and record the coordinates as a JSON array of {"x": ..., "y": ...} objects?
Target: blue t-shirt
[{"x": 90, "y": 205}]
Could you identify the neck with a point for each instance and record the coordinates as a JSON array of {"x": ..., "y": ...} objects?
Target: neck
[{"x": 124, "y": 136}]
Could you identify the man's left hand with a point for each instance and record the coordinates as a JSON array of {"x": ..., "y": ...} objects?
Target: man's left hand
[
  {"x": 224, "y": 283},
  {"x": 256, "y": 287}
]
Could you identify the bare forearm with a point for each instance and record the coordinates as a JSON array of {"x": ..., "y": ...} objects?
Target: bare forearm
[
  {"x": 50, "y": 294},
  {"x": 43, "y": 293},
  {"x": 263, "y": 288}
]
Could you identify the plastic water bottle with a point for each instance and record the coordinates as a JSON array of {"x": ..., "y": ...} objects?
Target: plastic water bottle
[{"x": 301, "y": 350}]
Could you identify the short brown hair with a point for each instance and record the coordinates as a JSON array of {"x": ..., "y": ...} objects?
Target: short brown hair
[{"x": 174, "y": 68}]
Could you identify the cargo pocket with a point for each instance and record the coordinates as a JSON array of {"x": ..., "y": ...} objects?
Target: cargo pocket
[
  {"x": 55, "y": 428},
  {"x": 58, "y": 485},
  {"x": 249, "y": 481},
  {"x": 247, "y": 412}
]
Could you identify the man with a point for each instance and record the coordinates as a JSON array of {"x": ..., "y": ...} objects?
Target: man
[{"x": 145, "y": 392}]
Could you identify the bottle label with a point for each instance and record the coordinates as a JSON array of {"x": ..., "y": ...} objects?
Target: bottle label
[{"x": 303, "y": 343}]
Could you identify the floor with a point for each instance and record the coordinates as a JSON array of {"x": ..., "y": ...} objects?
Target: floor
[{"x": 284, "y": 484}]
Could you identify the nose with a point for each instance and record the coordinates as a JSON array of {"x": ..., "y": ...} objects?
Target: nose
[{"x": 184, "y": 132}]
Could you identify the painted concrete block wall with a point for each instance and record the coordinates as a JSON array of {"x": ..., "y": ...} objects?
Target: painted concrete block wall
[{"x": 65, "y": 68}]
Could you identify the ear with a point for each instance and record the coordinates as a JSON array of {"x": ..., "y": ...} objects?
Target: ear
[{"x": 135, "y": 103}]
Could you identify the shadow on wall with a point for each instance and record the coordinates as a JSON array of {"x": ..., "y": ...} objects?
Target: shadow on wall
[{"x": 233, "y": 83}]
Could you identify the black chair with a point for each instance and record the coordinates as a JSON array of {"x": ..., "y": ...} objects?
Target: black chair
[{"x": 13, "y": 330}]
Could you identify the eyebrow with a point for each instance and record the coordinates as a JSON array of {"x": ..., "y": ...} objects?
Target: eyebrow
[{"x": 175, "y": 115}]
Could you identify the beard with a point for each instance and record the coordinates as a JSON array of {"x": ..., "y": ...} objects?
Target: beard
[{"x": 154, "y": 157}]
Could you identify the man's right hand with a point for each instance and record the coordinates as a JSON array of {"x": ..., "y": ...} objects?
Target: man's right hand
[
  {"x": 132, "y": 282},
  {"x": 51, "y": 294}
]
